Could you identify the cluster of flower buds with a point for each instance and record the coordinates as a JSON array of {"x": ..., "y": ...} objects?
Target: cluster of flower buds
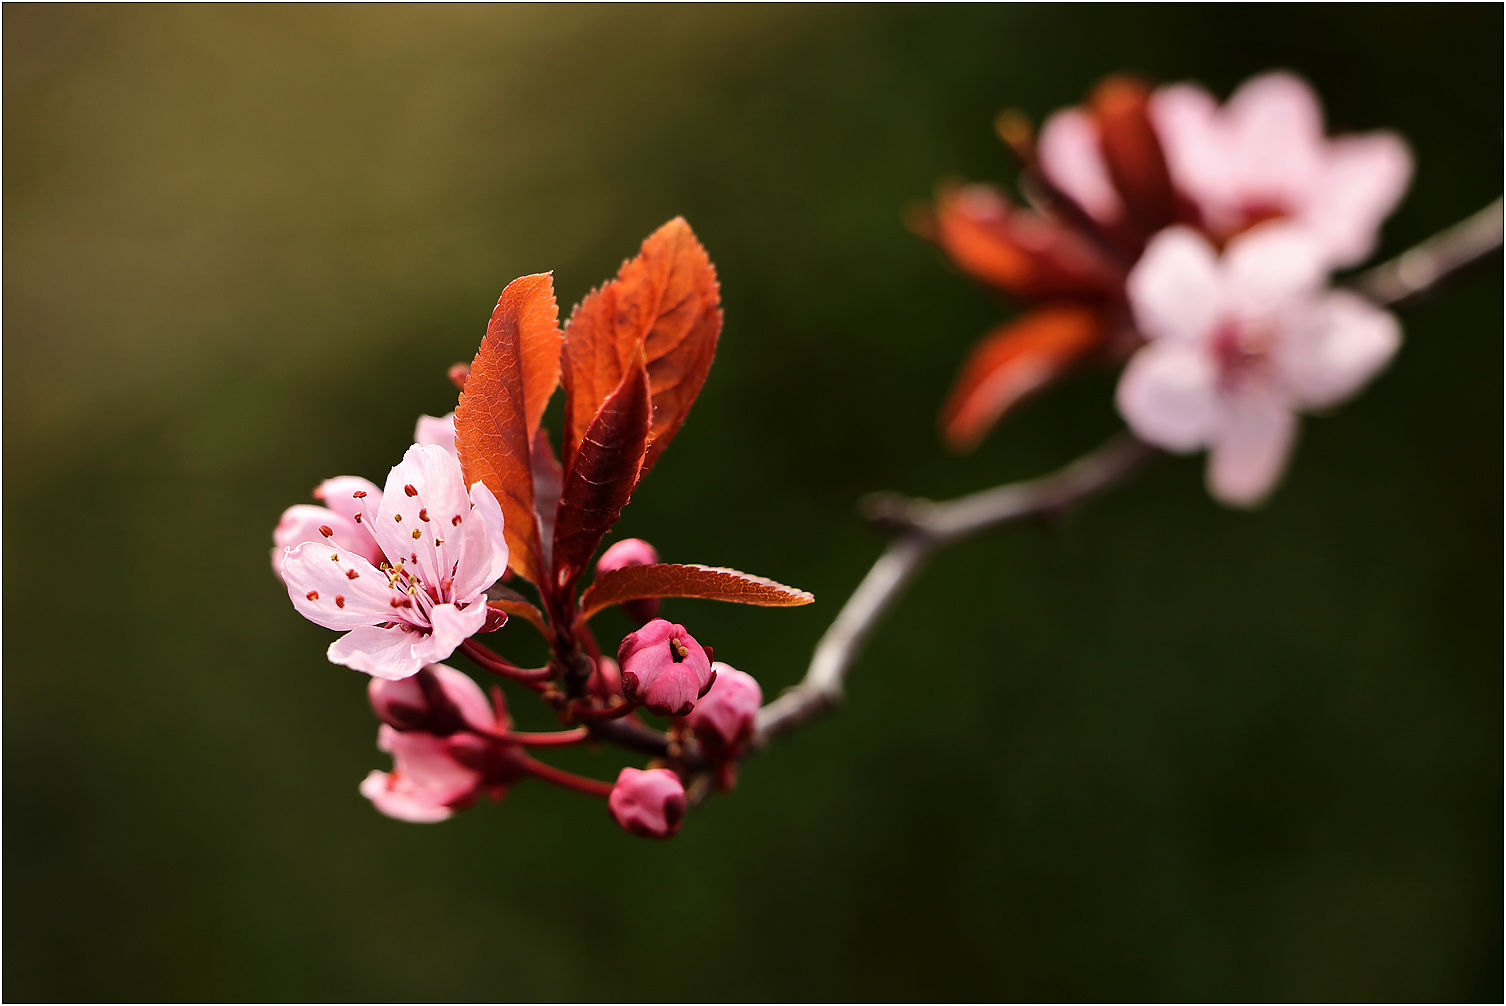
[
  {"x": 1195, "y": 240},
  {"x": 417, "y": 570}
]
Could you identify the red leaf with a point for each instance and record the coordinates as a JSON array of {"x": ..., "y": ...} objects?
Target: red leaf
[
  {"x": 630, "y": 583},
  {"x": 1018, "y": 251},
  {"x": 667, "y": 298},
  {"x": 514, "y": 373},
  {"x": 602, "y": 474},
  {"x": 1132, "y": 153},
  {"x": 1018, "y": 357}
]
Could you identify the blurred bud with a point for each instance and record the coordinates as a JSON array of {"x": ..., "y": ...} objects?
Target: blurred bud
[
  {"x": 459, "y": 374},
  {"x": 664, "y": 668},
  {"x": 724, "y": 720},
  {"x": 650, "y": 804},
  {"x": 631, "y": 552},
  {"x": 437, "y": 431},
  {"x": 438, "y": 700},
  {"x": 606, "y": 682}
]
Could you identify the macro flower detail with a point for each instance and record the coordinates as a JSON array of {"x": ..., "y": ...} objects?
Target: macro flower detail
[
  {"x": 443, "y": 548},
  {"x": 437, "y": 431},
  {"x": 664, "y": 668},
  {"x": 725, "y": 719},
  {"x": 648, "y": 803},
  {"x": 1238, "y": 344},
  {"x": 1263, "y": 155},
  {"x": 334, "y": 522}
]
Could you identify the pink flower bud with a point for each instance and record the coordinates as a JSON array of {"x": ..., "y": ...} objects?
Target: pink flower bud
[
  {"x": 631, "y": 552},
  {"x": 664, "y": 668},
  {"x": 606, "y": 683},
  {"x": 438, "y": 700},
  {"x": 650, "y": 804},
  {"x": 724, "y": 720}
]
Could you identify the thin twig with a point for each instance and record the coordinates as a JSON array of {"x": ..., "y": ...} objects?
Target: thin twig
[
  {"x": 1424, "y": 267},
  {"x": 922, "y": 527}
]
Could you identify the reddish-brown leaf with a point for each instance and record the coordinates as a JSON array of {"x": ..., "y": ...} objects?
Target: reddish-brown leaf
[
  {"x": 1018, "y": 251},
  {"x": 1132, "y": 153},
  {"x": 515, "y": 371},
  {"x": 601, "y": 475},
  {"x": 666, "y": 298},
  {"x": 665, "y": 579},
  {"x": 1013, "y": 360}
]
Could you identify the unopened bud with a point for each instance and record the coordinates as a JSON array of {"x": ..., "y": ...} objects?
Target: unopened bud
[
  {"x": 725, "y": 719},
  {"x": 459, "y": 373},
  {"x": 664, "y": 668},
  {"x": 438, "y": 700},
  {"x": 631, "y": 552},
  {"x": 650, "y": 804}
]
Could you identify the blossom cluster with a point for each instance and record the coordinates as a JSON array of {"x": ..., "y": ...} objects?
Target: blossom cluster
[
  {"x": 414, "y": 572},
  {"x": 1196, "y": 240}
]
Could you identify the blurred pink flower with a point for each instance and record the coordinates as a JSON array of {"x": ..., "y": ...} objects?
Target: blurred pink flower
[
  {"x": 664, "y": 668},
  {"x": 1263, "y": 155},
  {"x": 335, "y": 521},
  {"x": 724, "y": 720},
  {"x": 439, "y": 432},
  {"x": 1237, "y": 344},
  {"x": 411, "y": 703},
  {"x": 426, "y": 783},
  {"x": 443, "y": 549},
  {"x": 632, "y": 552},
  {"x": 650, "y": 804}
]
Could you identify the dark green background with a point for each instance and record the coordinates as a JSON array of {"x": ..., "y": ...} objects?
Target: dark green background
[{"x": 1159, "y": 750}]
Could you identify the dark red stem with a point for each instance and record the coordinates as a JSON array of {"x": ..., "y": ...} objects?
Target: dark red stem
[
  {"x": 485, "y": 658},
  {"x": 569, "y": 780},
  {"x": 551, "y": 738},
  {"x": 601, "y": 715}
]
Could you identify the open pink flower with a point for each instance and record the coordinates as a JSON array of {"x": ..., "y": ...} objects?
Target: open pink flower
[
  {"x": 1263, "y": 155},
  {"x": 443, "y": 547},
  {"x": 1238, "y": 344},
  {"x": 335, "y": 521},
  {"x": 650, "y": 804}
]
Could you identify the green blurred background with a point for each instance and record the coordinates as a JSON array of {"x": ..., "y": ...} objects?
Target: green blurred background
[{"x": 1158, "y": 750}]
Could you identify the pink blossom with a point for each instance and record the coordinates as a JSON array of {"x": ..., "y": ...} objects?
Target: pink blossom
[
  {"x": 426, "y": 783},
  {"x": 443, "y": 549},
  {"x": 650, "y": 804},
  {"x": 1071, "y": 158},
  {"x": 438, "y": 700},
  {"x": 335, "y": 521},
  {"x": 631, "y": 552},
  {"x": 439, "y": 432},
  {"x": 724, "y": 720},
  {"x": 1263, "y": 155},
  {"x": 664, "y": 668},
  {"x": 1237, "y": 344}
]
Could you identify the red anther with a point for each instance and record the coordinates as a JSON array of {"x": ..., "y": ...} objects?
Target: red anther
[
  {"x": 455, "y": 522},
  {"x": 401, "y": 602},
  {"x": 351, "y": 574},
  {"x": 410, "y": 490},
  {"x": 326, "y": 530},
  {"x": 458, "y": 374},
  {"x": 312, "y": 595},
  {"x": 359, "y": 494},
  {"x": 358, "y": 518},
  {"x": 423, "y": 515},
  {"x": 339, "y": 600}
]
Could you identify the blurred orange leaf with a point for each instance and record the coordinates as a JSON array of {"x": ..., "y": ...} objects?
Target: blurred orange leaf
[
  {"x": 515, "y": 371},
  {"x": 1013, "y": 360},
  {"x": 664, "y": 579}
]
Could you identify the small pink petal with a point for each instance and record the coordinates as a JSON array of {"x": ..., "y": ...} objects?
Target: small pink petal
[
  {"x": 321, "y": 587},
  {"x": 339, "y": 494},
  {"x": 1364, "y": 178},
  {"x": 451, "y": 627},
  {"x": 382, "y": 653},
  {"x": 306, "y": 522},
  {"x": 1169, "y": 396},
  {"x": 1272, "y": 269},
  {"x": 438, "y": 432},
  {"x": 412, "y": 704},
  {"x": 1073, "y": 161},
  {"x": 426, "y": 762},
  {"x": 1347, "y": 341},
  {"x": 1175, "y": 288},
  {"x": 1275, "y": 128},
  {"x": 1249, "y": 456},
  {"x": 1185, "y": 117},
  {"x": 402, "y": 802}
]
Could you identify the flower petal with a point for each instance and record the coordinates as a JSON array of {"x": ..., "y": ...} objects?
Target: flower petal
[
  {"x": 1363, "y": 179},
  {"x": 1271, "y": 270},
  {"x": 306, "y": 522},
  {"x": 339, "y": 494},
  {"x": 1275, "y": 129},
  {"x": 424, "y": 761},
  {"x": 439, "y": 432},
  {"x": 1250, "y": 454},
  {"x": 1175, "y": 288},
  {"x": 451, "y": 627},
  {"x": 383, "y": 653},
  {"x": 482, "y": 554},
  {"x": 1346, "y": 343},
  {"x": 401, "y": 802},
  {"x": 320, "y": 585},
  {"x": 1185, "y": 117},
  {"x": 425, "y": 492},
  {"x": 1072, "y": 159},
  {"x": 1169, "y": 396}
]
